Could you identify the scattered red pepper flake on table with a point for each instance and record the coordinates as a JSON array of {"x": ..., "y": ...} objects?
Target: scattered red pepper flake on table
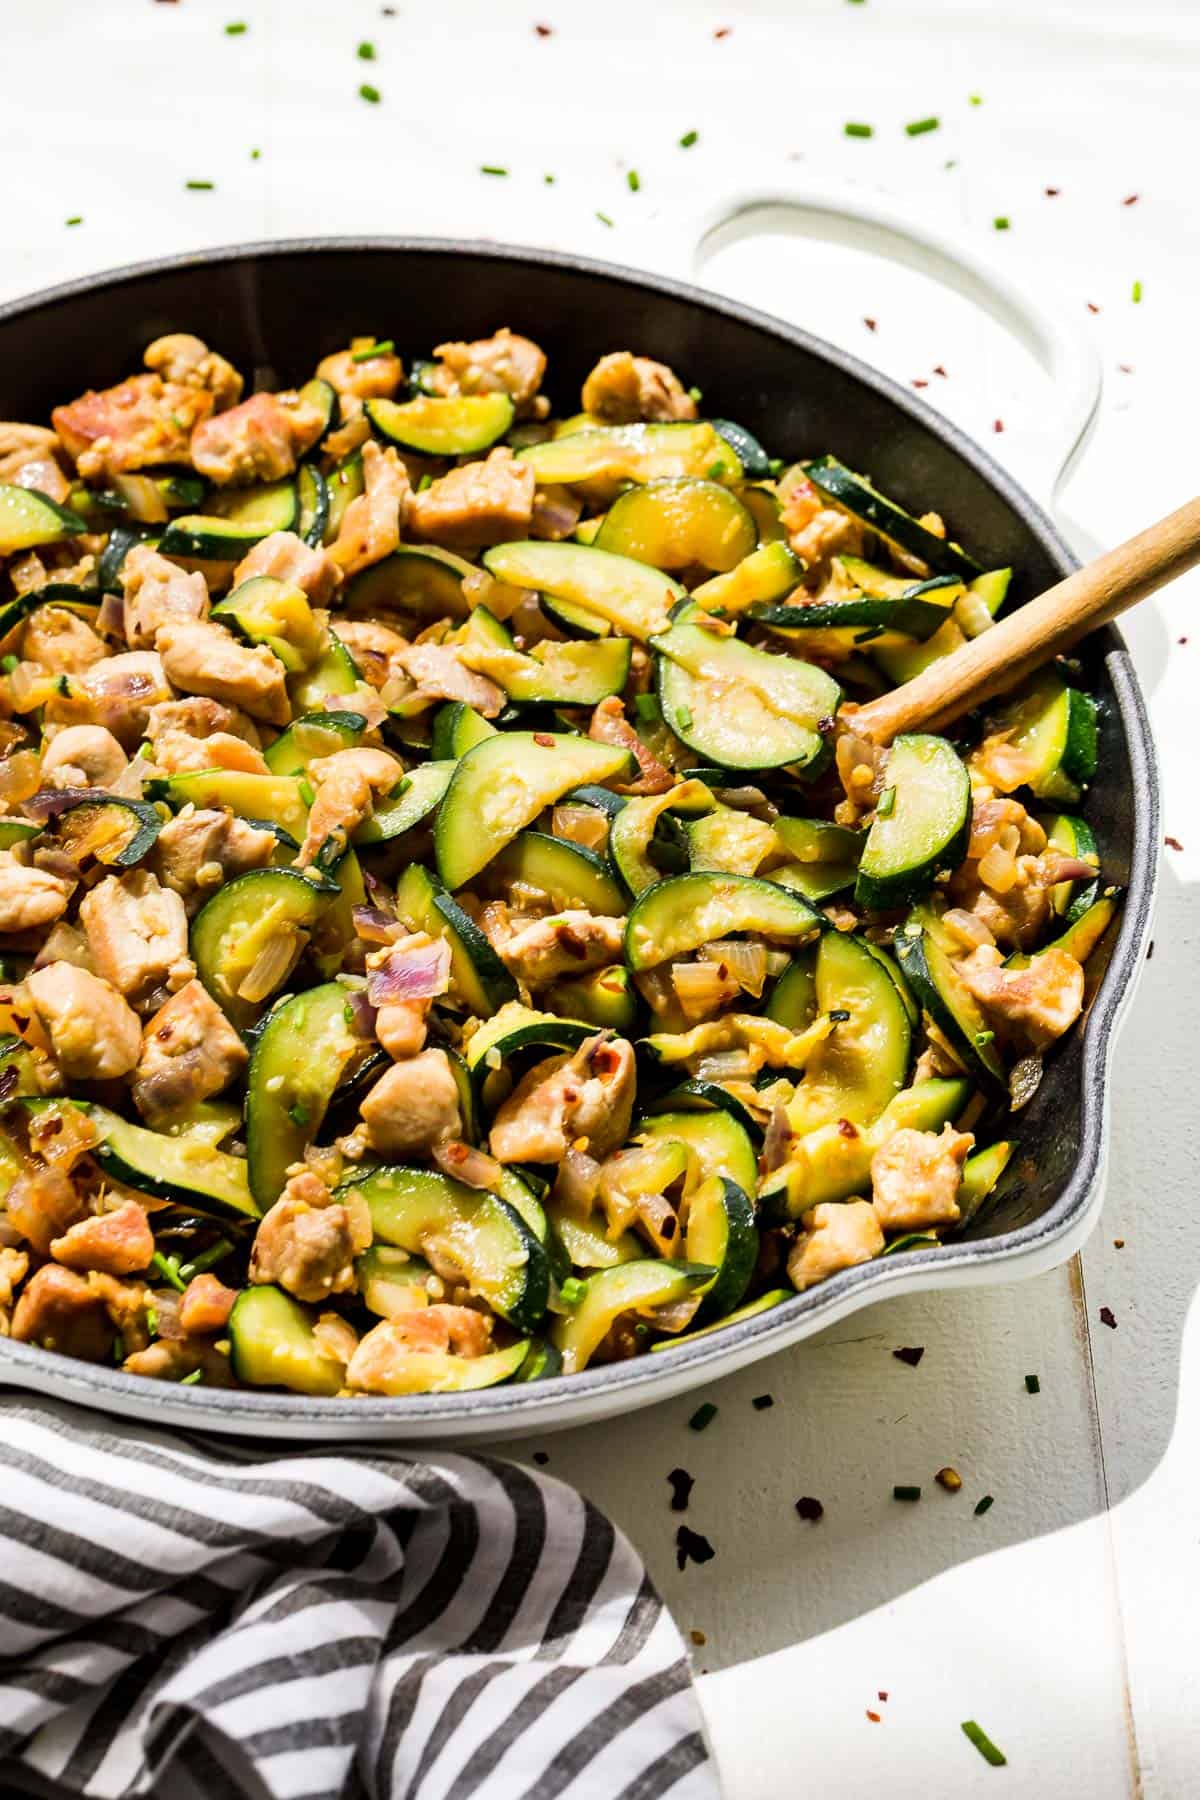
[
  {"x": 920, "y": 382},
  {"x": 1107, "y": 1317},
  {"x": 938, "y": 370},
  {"x": 1052, "y": 193},
  {"x": 1118, "y": 1243},
  {"x": 1092, "y": 307},
  {"x": 1125, "y": 368},
  {"x": 681, "y": 1489},
  {"x": 883, "y": 1693},
  {"x": 544, "y": 30},
  {"x": 810, "y": 1509},
  {"x": 722, "y": 31},
  {"x": 871, "y": 324},
  {"x": 698, "y": 1637},
  {"x": 1172, "y": 843},
  {"x": 1130, "y": 200},
  {"x": 997, "y": 424},
  {"x": 692, "y": 1545},
  {"x": 910, "y": 1354},
  {"x": 873, "y": 1716}
]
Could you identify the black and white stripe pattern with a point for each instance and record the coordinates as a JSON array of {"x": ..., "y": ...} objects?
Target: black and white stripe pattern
[{"x": 200, "y": 1619}]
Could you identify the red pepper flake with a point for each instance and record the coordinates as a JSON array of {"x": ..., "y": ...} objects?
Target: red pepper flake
[
  {"x": 698, "y": 1638},
  {"x": 883, "y": 1694},
  {"x": 544, "y": 30},
  {"x": 681, "y": 1489},
  {"x": 1052, "y": 193},
  {"x": 846, "y": 1129},
  {"x": 920, "y": 382},
  {"x": 871, "y": 324},
  {"x": 1125, "y": 368},
  {"x": 722, "y": 31},
  {"x": 1107, "y": 1317},
  {"x": 1118, "y": 1243},
  {"x": 910, "y": 1354},
  {"x": 873, "y": 1716},
  {"x": 1130, "y": 200},
  {"x": 997, "y": 424},
  {"x": 1092, "y": 307},
  {"x": 1172, "y": 843},
  {"x": 1182, "y": 640},
  {"x": 692, "y": 1545},
  {"x": 810, "y": 1509},
  {"x": 938, "y": 370},
  {"x": 544, "y": 739}
]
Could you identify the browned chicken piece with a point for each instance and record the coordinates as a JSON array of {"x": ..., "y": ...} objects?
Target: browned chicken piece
[
  {"x": 347, "y": 786},
  {"x": 187, "y": 360},
  {"x": 1009, "y": 876},
  {"x": 588, "y": 1094},
  {"x": 42, "y": 1204},
  {"x": 262, "y": 439},
  {"x": 82, "y": 756},
  {"x": 1030, "y": 1006},
  {"x": 158, "y": 593},
  {"x": 205, "y": 1307},
  {"x": 200, "y": 717},
  {"x": 372, "y": 523},
  {"x": 816, "y": 531},
  {"x": 116, "y": 1243},
  {"x": 373, "y": 646},
  {"x": 29, "y": 897},
  {"x": 14, "y": 1266},
  {"x": 23, "y": 445},
  {"x": 556, "y": 513},
  {"x": 915, "y": 1177},
  {"x": 413, "y": 1106},
  {"x": 610, "y": 726},
  {"x": 505, "y": 363},
  {"x": 836, "y": 1236},
  {"x": 59, "y": 1311},
  {"x": 624, "y": 389},
  {"x": 288, "y": 558},
  {"x": 199, "y": 851},
  {"x": 568, "y": 943},
  {"x": 374, "y": 377},
  {"x": 307, "y": 1242},
  {"x": 120, "y": 692},
  {"x": 175, "y": 1359},
  {"x": 137, "y": 934},
  {"x": 190, "y": 1052},
  {"x": 479, "y": 503},
  {"x": 400, "y": 1027},
  {"x": 440, "y": 674},
  {"x": 62, "y": 642},
  {"x": 95, "y": 1034},
  {"x": 136, "y": 425},
  {"x": 378, "y": 1364},
  {"x": 175, "y": 753},
  {"x": 206, "y": 659}
]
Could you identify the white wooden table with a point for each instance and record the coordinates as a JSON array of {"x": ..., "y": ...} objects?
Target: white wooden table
[{"x": 1065, "y": 1619}]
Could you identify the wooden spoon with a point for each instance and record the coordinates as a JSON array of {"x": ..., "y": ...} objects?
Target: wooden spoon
[{"x": 1035, "y": 633}]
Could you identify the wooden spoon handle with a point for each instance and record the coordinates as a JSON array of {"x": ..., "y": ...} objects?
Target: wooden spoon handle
[{"x": 1000, "y": 658}]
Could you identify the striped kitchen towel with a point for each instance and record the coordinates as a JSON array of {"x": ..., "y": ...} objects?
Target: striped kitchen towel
[{"x": 205, "y": 1619}]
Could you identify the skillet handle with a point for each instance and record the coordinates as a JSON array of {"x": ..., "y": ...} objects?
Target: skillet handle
[{"x": 1041, "y": 454}]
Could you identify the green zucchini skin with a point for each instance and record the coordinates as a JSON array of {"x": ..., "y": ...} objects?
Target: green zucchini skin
[
  {"x": 420, "y": 795},
  {"x": 311, "y": 736},
  {"x": 241, "y": 517},
  {"x": 855, "y": 496},
  {"x": 677, "y": 524},
  {"x": 941, "y": 992},
  {"x": 720, "y": 1144},
  {"x": 637, "y": 1286},
  {"x": 911, "y": 614},
  {"x": 179, "y": 1169},
  {"x": 721, "y": 1232},
  {"x": 86, "y": 806},
  {"x": 752, "y": 1310},
  {"x": 927, "y": 828},
  {"x": 477, "y": 975},
  {"x": 241, "y": 914},
  {"x": 756, "y": 464},
  {"x": 568, "y": 874},
  {"x": 685, "y": 911},
  {"x": 300, "y": 1059},
  {"x": 703, "y": 1098},
  {"x": 272, "y": 1344},
  {"x": 457, "y": 728},
  {"x": 29, "y": 520},
  {"x": 436, "y": 426},
  {"x": 312, "y": 491}
]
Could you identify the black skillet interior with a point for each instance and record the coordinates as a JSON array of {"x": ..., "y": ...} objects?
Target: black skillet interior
[{"x": 275, "y": 309}]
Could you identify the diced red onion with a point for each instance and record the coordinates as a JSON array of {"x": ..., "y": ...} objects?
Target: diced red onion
[
  {"x": 49, "y": 803},
  {"x": 362, "y": 1022},
  {"x": 418, "y": 974},
  {"x": 465, "y": 1163},
  {"x": 374, "y": 925},
  {"x": 776, "y": 1140},
  {"x": 578, "y": 1182},
  {"x": 110, "y": 620}
]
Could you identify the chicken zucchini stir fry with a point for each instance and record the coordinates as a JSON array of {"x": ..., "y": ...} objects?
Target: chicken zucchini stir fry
[{"x": 451, "y": 931}]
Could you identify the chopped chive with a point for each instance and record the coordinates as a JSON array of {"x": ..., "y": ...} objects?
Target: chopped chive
[
  {"x": 645, "y": 706},
  {"x": 367, "y": 92},
  {"x": 299, "y": 1115},
  {"x": 984, "y": 1744},
  {"x": 237, "y": 29},
  {"x": 975, "y": 99},
  {"x": 906, "y": 1493},
  {"x": 1032, "y": 1385},
  {"x": 983, "y": 1039},
  {"x": 1001, "y": 223},
  {"x": 152, "y": 1321},
  {"x": 254, "y": 155},
  {"x": 982, "y": 1506},
  {"x": 918, "y": 127},
  {"x": 856, "y": 130},
  {"x": 426, "y": 481},
  {"x": 118, "y": 1348},
  {"x": 572, "y": 1291},
  {"x": 366, "y": 51},
  {"x": 685, "y": 717},
  {"x": 761, "y": 1402},
  {"x": 9, "y": 663},
  {"x": 1136, "y": 294},
  {"x": 75, "y": 219},
  {"x": 775, "y": 466},
  {"x": 634, "y": 180},
  {"x": 190, "y": 1380},
  {"x": 688, "y": 139},
  {"x": 703, "y": 1417},
  {"x": 168, "y": 1268},
  {"x": 200, "y": 187},
  {"x": 549, "y": 180},
  {"x": 492, "y": 169},
  {"x": 887, "y": 802},
  {"x": 384, "y": 348},
  {"x": 695, "y": 396},
  {"x": 604, "y": 219},
  {"x": 308, "y": 792}
]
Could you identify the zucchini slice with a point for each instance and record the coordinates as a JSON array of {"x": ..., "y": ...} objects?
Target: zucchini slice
[
  {"x": 765, "y": 1303},
  {"x": 231, "y": 931},
  {"x": 272, "y": 1345},
  {"x": 28, "y": 520},
  {"x": 457, "y": 728},
  {"x": 1052, "y": 728},
  {"x": 300, "y": 1058},
  {"x": 239, "y": 519},
  {"x": 632, "y": 596},
  {"x": 484, "y": 1236},
  {"x": 825, "y": 857},
  {"x": 586, "y": 1245},
  {"x": 730, "y": 840},
  {"x": 706, "y": 1097},
  {"x": 679, "y": 524},
  {"x": 105, "y": 828},
  {"x": 685, "y": 911},
  {"x": 1082, "y": 934},
  {"x": 765, "y": 574},
  {"x": 420, "y": 579},
  {"x": 926, "y": 828},
  {"x": 606, "y": 999},
  {"x": 866, "y": 618},
  {"x": 334, "y": 673},
  {"x": 634, "y": 826},
  {"x": 17, "y": 831},
  {"x": 793, "y": 999},
  {"x": 721, "y": 1232},
  {"x": 1074, "y": 837},
  {"x": 264, "y": 610},
  {"x": 863, "y": 1063},
  {"x": 980, "y": 1174},
  {"x": 568, "y": 874},
  {"x": 575, "y": 674},
  {"x": 184, "y": 1170},
  {"x": 854, "y": 494},
  {"x": 941, "y": 991},
  {"x": 275, "y": 799},
  {"x": 516, "y": 1028},
  {"x": 440, "y": 1372},
  {"x": 322, "y": 394},
  {"x": 312, "y": 494},
  {"x": 345, "y": 483},
  {"x": 478, "y": 979},
  {"x": 437, "y": 426},
  {"x": 422, "y": 791},
  {"x": 720, "y": 1145},
  {"x": 502, "y": 785},
  {"x": 312, "y": 736},
  {"x": 573, "y": 621},
  {"x": 542, "y": 1361},
  {"x": 739, "y": 707},
  {"x": 636, "y": 1287},
  {"x": 121, "y": 540},
  {"x": 599, "y": 458},
  {"x": 756, "y": 464}
]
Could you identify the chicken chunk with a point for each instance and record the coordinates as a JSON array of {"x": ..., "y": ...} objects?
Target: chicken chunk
[
  {"x": 176, "y": 753},
  {"x": 374, "y": 648},
  {"x": 60, "y": 641},
  {"x": 307, "y": 1242},
  {"x": 120, "y": 692},
  {"x": 58, "y": 1310},
  {"x": 179, "y": 357},
  {"x": 205, "y": 1307},
  {"x": 21, "y": 445},
  {"x": 836, "y": 1236},
  {"x": 413, "y": 1106},
  {"x": 95, "y": 1034},
  {"x": 347, "y": 784},
  {"x": 42, "y": 1204},
  {"x": 610, "y": 726},
  {"x": 504, "y": 363},
  {"x": 915, "y": 1177},
  {"x": 190, "y": 1052},
  {"x": 29, "y": 897},
  {"x": 1030, "y": 1006},
  {"x": 440, "y": 674},
  {"x": 200, "y": 717},
  {"x": 588, "y": 1094},
  {"x": 372, "y": 523},
  {"x": 370, "y": 377},
  {"x": 118, "y": 1242},
  {"x": 174, "y": 1359},
  {"x": 82, "y": 756},
  {"x": 378, "y": 1365},
  {"x": 479, "y": 503},
  {"x": 199, "y": 851},
  {"x": 623, "y": 389},
  {"x": 259, "y": 440},
  {"x": 568, "y": 943},
  {"x": 139, "y": 423},
  {"x": 206, "y": 659},
  {"x": 137, "y": 934},
  {"x": 287, "y": 558},
  {"x": 14, "y": 1266},
  {"x": 158, "y": 593}
]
